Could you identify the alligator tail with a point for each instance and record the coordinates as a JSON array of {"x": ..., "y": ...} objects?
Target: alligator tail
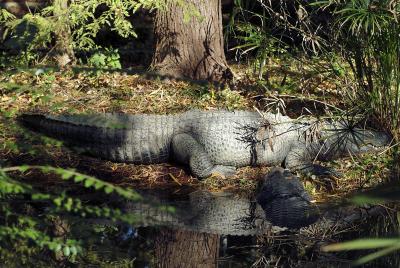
[
  {"x": 116, "y": 137},
  {"x": 70, "y": 129}
]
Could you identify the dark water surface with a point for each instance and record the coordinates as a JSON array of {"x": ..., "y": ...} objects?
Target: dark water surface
[
  {"x": 170, "y": 247},
  {"x": 167, "y": 247},
  {"x": 208, "y": 230}
]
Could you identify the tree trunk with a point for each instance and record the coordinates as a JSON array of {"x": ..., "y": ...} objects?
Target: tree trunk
[
  {"x": 175, "y": 249},
  {"x": 192, "y": 49},
  {"x": 64, "y": 53}
]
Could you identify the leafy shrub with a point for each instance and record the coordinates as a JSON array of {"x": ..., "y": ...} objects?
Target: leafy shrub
[
  {"x": 84, "y": 19},
  {"x": 367, "y": 34},
  {"x": 260, "y": 40},
  {"x": 107, "y": 59},
  {"x": 28, "y": 233}
]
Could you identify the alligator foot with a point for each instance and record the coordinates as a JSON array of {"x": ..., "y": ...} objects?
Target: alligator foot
[
  {"x": 188, "y": 150},
  {"x": 224, "y": 171}
]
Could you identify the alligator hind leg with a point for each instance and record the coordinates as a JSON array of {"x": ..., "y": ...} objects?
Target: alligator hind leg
[{"x": 188, "y": 151}]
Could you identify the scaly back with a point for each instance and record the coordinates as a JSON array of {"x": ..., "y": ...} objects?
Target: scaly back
[{"x": 140, "y": 139}]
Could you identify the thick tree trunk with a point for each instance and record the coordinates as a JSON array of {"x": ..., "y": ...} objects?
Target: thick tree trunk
[
  {"x": 64, "y": 53},
  {"x": 191, "y": 49},
  {"x": 175, "y": 249}
]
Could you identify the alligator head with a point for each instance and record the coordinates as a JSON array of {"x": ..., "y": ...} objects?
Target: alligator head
[
  {"x": 285, "y": 201},
  {"x": 341, "y": 138}
]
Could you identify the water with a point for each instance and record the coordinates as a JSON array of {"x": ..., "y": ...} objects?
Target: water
[
  {"x": 166, "y": 247},
  {"x": 206, "y": 230}
]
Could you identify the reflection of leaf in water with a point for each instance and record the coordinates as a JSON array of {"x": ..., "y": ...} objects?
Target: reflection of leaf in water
[
  {"x": 378, "y": 195},
  {"x": 382, "y": 193},
  {"x": 361, "y": 199},
  {"x": 387, "y": 246},
  {"x": 398, "y": 217}
]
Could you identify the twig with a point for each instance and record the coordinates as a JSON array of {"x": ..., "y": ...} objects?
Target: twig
[
  {"x": 314, "y": 100},
  {"x": 390, "y": 147}
]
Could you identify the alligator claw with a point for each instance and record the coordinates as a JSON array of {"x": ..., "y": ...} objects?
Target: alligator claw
[{"x": 225, "y": 171}]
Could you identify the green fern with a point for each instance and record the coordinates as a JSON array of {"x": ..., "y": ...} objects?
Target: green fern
[{"x": 19, "y": 228}]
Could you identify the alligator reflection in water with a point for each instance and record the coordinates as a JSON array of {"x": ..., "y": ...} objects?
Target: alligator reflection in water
[
  {"x": 282, "y": 201},
  {"x": 187, "y": 248},
  {"x": 194, "y": 231},
  {"x": 184, "y": 248},
  {"x": 193, "y": 234},
  {"x": 200, "y": 211}
]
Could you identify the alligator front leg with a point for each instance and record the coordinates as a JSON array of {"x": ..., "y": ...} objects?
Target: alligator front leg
[
  {"x": 300, "y": 159},
  {"x": 188, "y": 151}
]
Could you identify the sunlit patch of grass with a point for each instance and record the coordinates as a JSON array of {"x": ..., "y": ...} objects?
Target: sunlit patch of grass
[
  {"x": 247, "y": 179},
  {"x": 317, "y": 76},
  {"x": 365, "y": 171},
  {"x": 358, "y": 173},
  {"x": 116, "y": 92}
]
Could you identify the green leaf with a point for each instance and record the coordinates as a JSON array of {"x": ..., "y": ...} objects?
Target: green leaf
[
  {"x": 47, "y": 169},
  {"x": 73, "y": 250},
  {"x": 88, "y": 182},
  {"x": 23, "y": 168},
  {"x": 98, "y": 185},
  {"x": 79, "y": 177},
  {"x": 108, "y": 189},
  {"x": 377, "y": 254},
  {"x": 65, "y": 175},
  {"x": 68, "y": 205},
  {"x": 58, "y": 201},
  {"x": 58, "y": 248},
  {"x": 40, "y": 196},
  {"x": 66, "y": 251},
  {"x": 363, "y": 244}
]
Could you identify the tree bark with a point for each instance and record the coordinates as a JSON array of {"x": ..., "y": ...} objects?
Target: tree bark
[
  {"x": 178, "y": 248},
  {"x": 192, "y": 49},
  {"x": 64, "y": 53}
]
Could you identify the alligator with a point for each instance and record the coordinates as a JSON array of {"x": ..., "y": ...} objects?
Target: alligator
[
  {"x": 282, "y": 201},
  {"x": 211, "y": 142}
]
